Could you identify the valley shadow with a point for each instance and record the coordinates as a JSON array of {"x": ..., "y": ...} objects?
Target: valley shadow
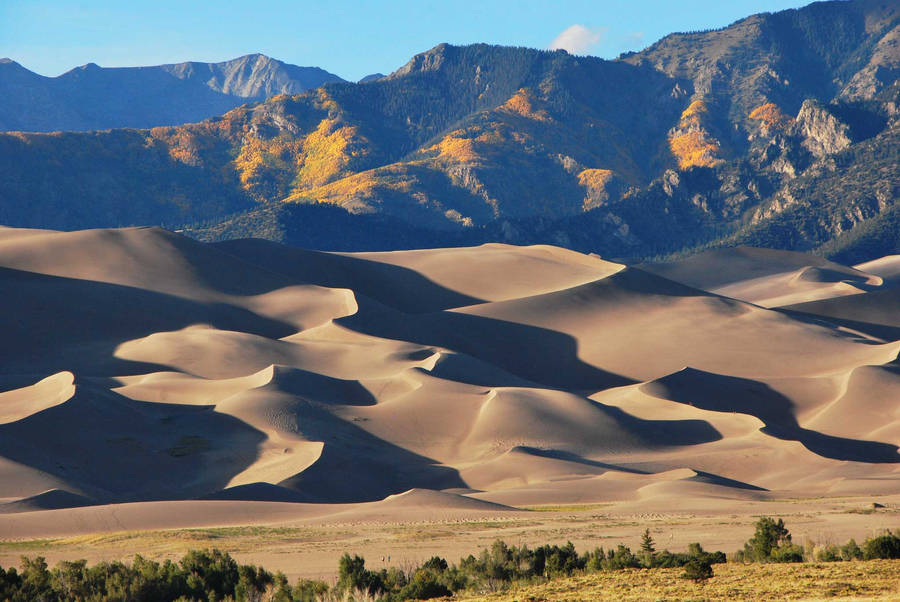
[
  {"x": 714, "y": 479},
  {"x": 115, "y": 449},
  {"x": 356, "y": 466},
  {"x": 664, "y": 432},
  {"x": 463, "y": 368},
  {"x": 556, "y": 454},
  {"x": 394, "y": 286},
  {"x": 703, "y": 477},
  {"x": 321, "y": 388},
  {"x": 885, "y": 332},
  {"x": 720, "y": 393},
  {"x": 539, "y": 355},
  {"x": 56, "y": 323}
]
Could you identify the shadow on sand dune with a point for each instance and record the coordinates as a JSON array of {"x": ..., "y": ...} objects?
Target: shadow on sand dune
[
  {"x": 884, "y": 332},
  {"x": 57, "y": 323},
  {"x": 720, "y": 393},
  {"x": 539, "y": 355},
  {"x": 116, "y": 449},
  {"x": 356, "y": 466},
  {"x": 701, "y": 476},
  {"x": 664, "y": 432},
  {"x": 394, "y": 286}
]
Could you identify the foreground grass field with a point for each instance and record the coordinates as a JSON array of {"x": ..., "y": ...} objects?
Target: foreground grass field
[{"x": 875, "y": 580}]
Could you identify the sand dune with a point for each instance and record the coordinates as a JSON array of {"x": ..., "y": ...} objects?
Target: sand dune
[
  {"x": 248, "y": 382},
  {"x": 639, "y": 326},
  {"x": 768, "y": 277},
  {"x": 876, "y": 313},
  {"x": 887, "y": 268},
  {"x": 704, "y": 270},
  {"x": 48, "y": 500},
  {"x": 19, "y": 404}
]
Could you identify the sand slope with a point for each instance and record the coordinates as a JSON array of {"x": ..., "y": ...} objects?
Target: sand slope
[
  {"x": 139, "y": 366},
  {"x": 770, "y": 277}
]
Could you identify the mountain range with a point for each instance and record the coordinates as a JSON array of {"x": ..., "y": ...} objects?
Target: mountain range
[
  {"x": 780, "y": 130},
  {"x": 91, "y": 97}
]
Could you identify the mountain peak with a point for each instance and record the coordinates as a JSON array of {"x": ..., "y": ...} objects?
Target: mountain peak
[
  {"x": 11, "y": 65},
  {"x": 371, "y": 78},
  {"x": 430, "y": 60},
  {"x": 254, "y": 56}
]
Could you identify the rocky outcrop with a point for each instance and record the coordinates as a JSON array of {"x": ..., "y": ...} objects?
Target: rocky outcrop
[
  {"x": 823, "y": 133},
  {"x": 426, "y": 61}
]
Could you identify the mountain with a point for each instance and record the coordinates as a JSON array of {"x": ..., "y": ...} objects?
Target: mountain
[
  {"x": 780, "y": 130},
  {"x": 95, "y": 98}
]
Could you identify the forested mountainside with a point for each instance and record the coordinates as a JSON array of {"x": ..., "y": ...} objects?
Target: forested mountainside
[
  {"x": 780, "y": 130},
  {"x": 91, "y": 97}
]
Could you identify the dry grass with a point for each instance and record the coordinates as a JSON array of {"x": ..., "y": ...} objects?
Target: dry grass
[
  {"x": 878, "y": 579},
  {"x": 234, "y": 539}
]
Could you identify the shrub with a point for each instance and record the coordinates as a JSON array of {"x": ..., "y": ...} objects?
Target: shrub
[
  {"x": 352, "y": 575},
  {"x": 787, "y": 552},
  {"x": 883, "y": 546},
  {"x": 698, "y": 570},
  {"x": 827, "y": 553},
  {"x": 621, "y": 558},
  {"x": 851, "y": 551},
  {"x": 436, "y": 564},
  {"x": 10, "y": 583},
  {"x": 423, "y": 586},
  {"x": 770, "y": 535}
]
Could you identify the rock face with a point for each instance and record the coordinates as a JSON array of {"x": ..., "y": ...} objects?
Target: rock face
[
  {"x": 91, "y": 97},
  {"x": 253, "y": 76},
  {"x": 824, "y": 133},
  {"x": 426, "y": 61}
]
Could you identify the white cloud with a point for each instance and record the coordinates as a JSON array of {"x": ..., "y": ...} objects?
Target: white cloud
[{"x": 577, "y": 39}]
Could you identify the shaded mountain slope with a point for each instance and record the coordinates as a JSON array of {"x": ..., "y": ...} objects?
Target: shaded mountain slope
[{"x": 91, "y": 97}]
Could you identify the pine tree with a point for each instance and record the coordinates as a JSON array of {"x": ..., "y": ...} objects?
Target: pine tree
[{"x": 648, "y": 549}]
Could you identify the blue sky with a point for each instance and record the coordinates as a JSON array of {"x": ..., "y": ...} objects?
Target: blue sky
[{"x": 351, "y": 39}]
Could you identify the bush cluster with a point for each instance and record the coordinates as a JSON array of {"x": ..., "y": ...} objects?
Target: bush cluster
[
  {"x": 199, "y": 575},
  {"x": 772, "y": 543}
]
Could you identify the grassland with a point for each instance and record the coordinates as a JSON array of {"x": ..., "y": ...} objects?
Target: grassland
[{"x": 876, "y": 579}]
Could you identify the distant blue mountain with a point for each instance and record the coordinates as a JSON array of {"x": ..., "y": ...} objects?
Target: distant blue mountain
[{"x": 95, "y": 98}]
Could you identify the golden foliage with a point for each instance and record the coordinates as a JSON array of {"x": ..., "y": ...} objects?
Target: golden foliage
[
  {"x": 522, "y": 103},
  {"x": 491, "y": 136},
  {"x": 358, "y": 187},
  {"x": 327, "y": 153},
  {"x": 595, "y": 178},
  {"x": 693, "y": 113},
  {"x": 264, "y": 166},
  {"x": 594, "y": 181},
  {"x": 694, "y": 149},
  {"x": 326, "y": 102},
  {"x": 771, "y": 116},
  {"x": 456, "y": 149},
  {"x": 690, "y": 143}
]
